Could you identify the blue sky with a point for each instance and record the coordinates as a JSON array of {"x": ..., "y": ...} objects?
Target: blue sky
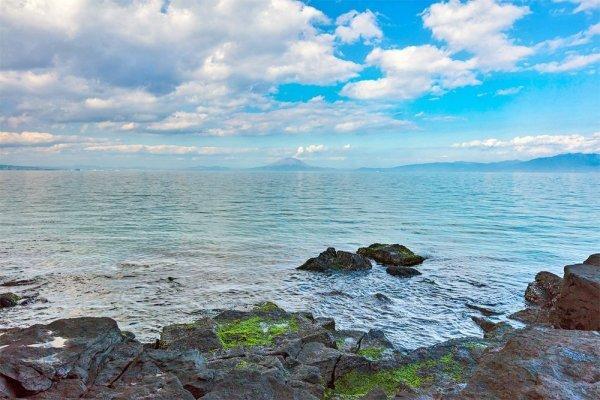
[{"x": 173, "y": 84}]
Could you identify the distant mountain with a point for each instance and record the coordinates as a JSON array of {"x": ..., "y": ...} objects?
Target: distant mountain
[
  {"x": 289, "y": 164},
  {"x": 4, "y": 167},
  {"x": 574, "y": 162}
]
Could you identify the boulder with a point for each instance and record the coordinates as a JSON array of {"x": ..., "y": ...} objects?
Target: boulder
[
  {"x": 391, "y": 254},
  {"x": 578, "y": 305},
  {"x": 539, "y": 363},
  {"x": 544, "y": 291},
  {"x": 8, "y": 300},
  {"x": 339, "y": 260},
  {"x": 403, "y": 272},
  {"x": 594, "y": 259},
  {"x": 33, "y": 359}
]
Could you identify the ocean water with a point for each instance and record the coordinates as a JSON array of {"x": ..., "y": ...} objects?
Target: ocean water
[{"x": 105, "y": 243}]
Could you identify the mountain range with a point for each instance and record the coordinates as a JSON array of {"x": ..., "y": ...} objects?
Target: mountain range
[
  {"x": 562, "y": 162},
  {"x": 569, "y": 162}
]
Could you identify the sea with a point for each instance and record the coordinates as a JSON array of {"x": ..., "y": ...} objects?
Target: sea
[{"x": 151, "y": 248}]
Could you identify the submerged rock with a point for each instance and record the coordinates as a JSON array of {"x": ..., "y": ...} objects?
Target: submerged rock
[
  {"x": 8, "y": 300},
  {"x": 338, "y": 260},
  {"x": 578, "y": 305},
  {"x": 403, "y": 272},
  {"x": 488, "y": 312},
  {"x": 391, "y": 254}
]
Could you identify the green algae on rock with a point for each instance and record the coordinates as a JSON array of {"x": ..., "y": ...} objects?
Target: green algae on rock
[
  {"x": 411, "y": 376},
  {"x": 9, "y": 299},
  {"x": 254, "y": 331},
  {"x": 371, "y": 353},
  {"x": 391, "y": 254}
]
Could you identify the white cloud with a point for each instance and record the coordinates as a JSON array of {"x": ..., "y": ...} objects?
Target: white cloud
[
  {"x": 179, "y": 121},
  {"x": 313, "y": 116},
  {"x": 582, "y": 5},
  {"x": 36, "y": 139},
  {"x": 509, "y": 91},
  {"x": 411, "y": 72},
  {"x": 352, "y": 26},
  {"x": 538, "y": 144},
  {"x": 164, "y": 149},
  {"x": 577, "y": 39},
  {"x": 478, "y": 27},
  {"x": 572, "y": 62},
  {"x": 310, "y": 149}
]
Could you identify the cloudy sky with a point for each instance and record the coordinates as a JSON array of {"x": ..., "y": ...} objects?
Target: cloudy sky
[{"x": 161, "y": 83}]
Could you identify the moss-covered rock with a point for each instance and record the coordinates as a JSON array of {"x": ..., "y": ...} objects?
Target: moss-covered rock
[
  {"x": 391, "y": 254},
  {"x": 331, "y": 259},
  {"x": 419, "y": 376},
  {"x": 9, "y": 300},
  {"x": 371, "y": 353},
  {"x": 254, "y": 331}
]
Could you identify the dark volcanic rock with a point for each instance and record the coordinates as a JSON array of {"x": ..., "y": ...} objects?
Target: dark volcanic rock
[
  {"x": 33, "y": 359},
  {"x": 339, "y": 260},
  {"x": 485, "y": 324},
  {"x": 8, "y": 300},
  {"x": 544, "y": 290},
  {"x": 391, "y": 254},
  {"x": 539, "y": 363},
  {"x": 403, "y": 272},
  {"x": 532, "y": 315},
  {"x": 594, "y": 259},
  {"x": 578, "y": 306},
  {"x": 200, "y": 335}
]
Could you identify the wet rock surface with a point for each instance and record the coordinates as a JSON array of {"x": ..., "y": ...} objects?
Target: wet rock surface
[
  {"x": 391, "y": 254},
  {"x": 336, "y": 260}
]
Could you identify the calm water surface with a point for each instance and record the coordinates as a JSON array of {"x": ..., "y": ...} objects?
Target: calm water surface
[{"x": 104, "y": 243}]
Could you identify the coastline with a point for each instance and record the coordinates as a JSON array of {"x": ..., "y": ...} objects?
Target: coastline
[{"x": 268, "y": 353}]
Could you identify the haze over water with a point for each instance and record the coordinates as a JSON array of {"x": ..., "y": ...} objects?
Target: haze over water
[{"x": 105, "y": 243}]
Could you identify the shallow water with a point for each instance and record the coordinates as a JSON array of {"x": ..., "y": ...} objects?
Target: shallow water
[{"x": 104, "y": 243}]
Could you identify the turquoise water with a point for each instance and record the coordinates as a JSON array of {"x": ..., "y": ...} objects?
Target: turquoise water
[{"x": 104, "y": 243}]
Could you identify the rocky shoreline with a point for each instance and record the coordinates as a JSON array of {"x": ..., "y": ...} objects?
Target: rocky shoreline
[{"x": 267, "y": 353}]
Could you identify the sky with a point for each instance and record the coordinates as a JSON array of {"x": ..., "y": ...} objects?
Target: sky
[{"x": 174, "y": 84}]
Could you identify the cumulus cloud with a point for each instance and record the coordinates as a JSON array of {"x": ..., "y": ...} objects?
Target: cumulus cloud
[
  {"x": 538, "y": 144},
  {"x": 310, "y": 149},
  {"x": 353, "y": 26},
  {"x": 411, "y": 72},
  {"x": 572, "y": 62},
  {"x": 135, "y": 62},
  {"x": 478, "y": 27}
]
